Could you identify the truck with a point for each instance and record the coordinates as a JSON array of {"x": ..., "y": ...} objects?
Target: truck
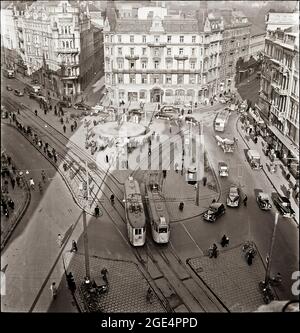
[{"x": 253, "y": 158}]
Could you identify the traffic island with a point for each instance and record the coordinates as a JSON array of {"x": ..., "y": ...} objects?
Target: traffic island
[
  {"x": 231, "y": 279},
  {"x": 127, "y": 286}
]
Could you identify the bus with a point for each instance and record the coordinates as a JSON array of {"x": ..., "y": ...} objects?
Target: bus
[
  {"x": 158, "y": 214},
  {"x": 221, "y": 120},
  {"x": 134, "y": 211}
]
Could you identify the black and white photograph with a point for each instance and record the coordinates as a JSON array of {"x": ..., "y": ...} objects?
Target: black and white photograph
[{"x": 149, "y": 159}]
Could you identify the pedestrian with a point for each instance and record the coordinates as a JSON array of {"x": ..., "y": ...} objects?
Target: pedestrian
[
  {"x": 250, "y": 257},
  {"x": 204, "y": 181},
  {"x": 255, "y": 139},
  {"x": 18, "y": 111},
  {"x": 45, "y": 111},
  {"x": 72, "y": 128},
  {"x": 53, "y": 289},
  {"x": 18, "y": 180},
  {"x": 97, "y": 211},
  {"x": 106, "y": 158},
  {"x": 64, "y": 128},
  {"x": 75, "y": 124},
  {"x": 31, "y": 184},
  {"x": 71, "y": 282},
  {"x": 245, "y": 200},
  {"x": 224, "y": 241},
  {"x": 13, "y": 182},
  {"x": 55, "y": 110},
  {"x": 214, "y": 251},
  {"x": 55, "y": 158},
  {"x": 62, "y": 120},
  {"x": 11, "y": 204},
  {"x": 288, "y": 176},
  {"x": 74, "y": 246},
  {"x": 9, "y": 160},
  {"x": 213, "y": 201},
  {"x": 36, "y": 113},
  {"x": 104, "y": 275},
  {"x": 59, "y": 240},
  {"x": 181, "y": 206}
]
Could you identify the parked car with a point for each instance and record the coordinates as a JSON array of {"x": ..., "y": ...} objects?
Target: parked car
[
  {"x": 223, "y": 169},
  {"x": 263, "y": 201},
  {"x": 161, "y": 115},
  {"x": 18, "y": 93},
  {"x": 135, "y": 112},
  {"x": 9, "y": 88},
  {"x": 64, "y": 104},
  {"x": 190, "y": 119},
  {"x": 169, "y": 109},
  {"x": 214, "y": 211},
  {"x": 283, "y": 205},
  {"x": 253, "y": 158},
  {"x": 81, "y": 106},
  {"x": 233, "y": 198}
]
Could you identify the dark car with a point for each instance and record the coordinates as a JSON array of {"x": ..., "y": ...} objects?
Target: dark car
[
  {"x": 9, "y": 88},
  {"x": 135, "y": 112},
  {"x": 190, "y": 119},
  {"x": 64, "y": 104},
  {"x": 81, "y": 106},
  {"x": 214, "y": 211},
  {"x": 263, "y": 201},
  {"x": 283, "y": 205},
  {"x": 18, "y": 93},
  {"x": 161, "y": 115}
]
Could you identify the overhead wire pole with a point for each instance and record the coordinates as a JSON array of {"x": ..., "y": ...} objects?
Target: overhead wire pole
[
  {"x": 200, "y": 125},
  {"x": 85, "y": 236}
]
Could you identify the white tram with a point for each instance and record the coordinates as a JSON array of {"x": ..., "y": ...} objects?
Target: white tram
[
  {"x": 158, "y": 214},
  {"x": 135, "y": 214}
]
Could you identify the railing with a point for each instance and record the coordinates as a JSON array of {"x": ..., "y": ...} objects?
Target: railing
[
  {"x": 67, "y": 50},
  {"x": 132, "y": 57},
  {"x": 157, "y": 44},
  {"x": 181, "y": 57}
]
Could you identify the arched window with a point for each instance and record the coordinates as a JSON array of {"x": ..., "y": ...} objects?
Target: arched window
[
  {"x": 69, "y": 72},
  {"x": 66, "y": 30},
  {"x": 63, "y": 44},
  {"x": 67, "y": 44}
]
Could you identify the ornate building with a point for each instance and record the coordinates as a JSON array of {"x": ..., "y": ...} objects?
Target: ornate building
[{"x": 157, "y": 57}]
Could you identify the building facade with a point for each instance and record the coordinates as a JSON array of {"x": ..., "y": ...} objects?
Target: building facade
[
  {"x": 257, "y": 45},
  {"x": 235, "y": 45},
  {"x": 156, "y": 57}
]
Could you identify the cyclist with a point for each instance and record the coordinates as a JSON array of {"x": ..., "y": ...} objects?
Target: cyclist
[{"x": 44, "y": 176}]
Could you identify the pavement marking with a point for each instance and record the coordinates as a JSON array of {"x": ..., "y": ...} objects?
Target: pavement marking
[{"x": 191, "y": 238}]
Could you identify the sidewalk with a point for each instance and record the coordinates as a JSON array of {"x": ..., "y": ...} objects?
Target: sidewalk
[
  {"x": 231, "y": 279},
  {"x": 278, "y": 179},
  {"x": 20, "y": 195},
  {"x": 127, "y": 287}
]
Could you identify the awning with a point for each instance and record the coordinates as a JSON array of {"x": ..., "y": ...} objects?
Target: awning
[{"x": 285, "y": 141}]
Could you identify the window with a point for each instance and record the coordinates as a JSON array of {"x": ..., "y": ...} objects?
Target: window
[
  {"x": 193, "y": 39},
  {"x": 120, "y": 79},
  {"x": 156, "y": 52},
  {"x": 142, "y": 94},
  {"x": 131, "y": 39},
  {"x": 120, "y": 64},
  {"x": 180, "y": 51},
  {"x": 192, "y": 78},
  {"x": 106, "y": 50},
  {"x": 106, "y": 39},
  {"x": 193, "y": 65},
  {"x": 180, "y": 79},
  {"x": 119, "y": 39},
  {"x": 193, "y": 51},
  {"x": 180, "y": 64},
  {"x": 132, "y": 78},
  {"x": 144, "y": 64},
  {"x": 132, "y": 65},
  {"x": 169, "y": 39},
  {"x": 181, "y": 39},
  {"x": 131, "y": 51},
  {"x": 156, "y": 64},
  {"x": 144, "y": 39},
  {"x": 69, "y": 28},
  {"x": 168, "y": 79},
  {"x": 169, "y": 50},
  {"x": 169, "y": 64},
  {"x": 144, "y": 79},
  {"x": 144, "y": 50},
  {"x": 119, "y": 51},
  {"x": 121, "y": 94},
  {"x": 156, "y": 79},
  {"x": 156, "y": 39}
]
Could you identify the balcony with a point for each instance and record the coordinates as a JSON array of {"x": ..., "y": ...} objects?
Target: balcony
[
  {"x": 132, "y": 57},
  {"x": 69, "y": 50},
  {"x": 157, "y": 44},
  {"x": 181, "y": 57},
  {"x": 279, "y": 89}
]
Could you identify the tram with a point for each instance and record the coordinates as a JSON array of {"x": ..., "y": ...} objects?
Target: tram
[
  {"x": 135, "y": 214},
  {"x": 158, "y": 214}
]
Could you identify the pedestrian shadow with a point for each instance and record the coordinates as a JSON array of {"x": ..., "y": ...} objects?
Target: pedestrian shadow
[{"x": 67, "y": 234}]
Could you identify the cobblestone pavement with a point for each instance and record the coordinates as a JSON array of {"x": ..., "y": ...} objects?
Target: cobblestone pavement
[
  {"x": 231, "y": 279},
  {"x": 127, "y": 285}
]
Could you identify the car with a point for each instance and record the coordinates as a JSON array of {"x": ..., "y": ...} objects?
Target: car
[
  {"x": 263, "y": 201},
  {"x": 18, "y": 93},
  {"x": 223, "y": 169},
  {"x": 190, "y": 119},
  {"x": 135, "y": 112},
  {"x": 233, "y": 198},
  {"x": 34, "y": 81},
  {"x": 283, "y": 205},
  {"x": 169, "y": 109},
  {"x": 214, "y": 211},
  {"x": 81, "y": 106},
  {"x": 9, "y": 88},
  {"x": 161, "y": 115},
  {"x": 64, "y": 104}
]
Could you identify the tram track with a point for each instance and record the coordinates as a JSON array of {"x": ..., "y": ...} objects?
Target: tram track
[{"x": 159, "y": 257}]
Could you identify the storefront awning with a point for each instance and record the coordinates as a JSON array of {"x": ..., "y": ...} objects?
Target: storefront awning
[{"x": 285, "y": 141}]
